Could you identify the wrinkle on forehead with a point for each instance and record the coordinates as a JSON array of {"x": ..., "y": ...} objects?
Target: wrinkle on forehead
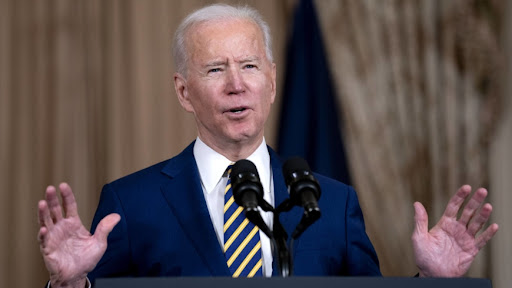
[{"x": 203, "y": 43}]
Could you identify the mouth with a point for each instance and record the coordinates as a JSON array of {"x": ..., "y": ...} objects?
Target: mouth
[{"x": 237, "y": 110}]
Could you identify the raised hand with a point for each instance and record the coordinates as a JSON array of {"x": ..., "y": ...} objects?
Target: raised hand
[
  {"x": 449, "y": 248},
  {"x": 69, "y": 250}
]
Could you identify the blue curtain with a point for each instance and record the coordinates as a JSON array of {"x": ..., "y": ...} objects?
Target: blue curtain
[{"x": 309, "y": 125}]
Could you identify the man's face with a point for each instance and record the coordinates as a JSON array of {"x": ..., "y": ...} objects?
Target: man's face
[{"x": 230, "y": 84}]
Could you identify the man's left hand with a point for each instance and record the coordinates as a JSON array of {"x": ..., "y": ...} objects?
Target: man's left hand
[{"x": 449, "y": 248}]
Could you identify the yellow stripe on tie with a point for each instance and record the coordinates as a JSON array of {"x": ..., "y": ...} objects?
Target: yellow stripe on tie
[
  {"x": 227, "y": 188},
  {"x": 235, "y": 234},
  {"x": 232, "y": 218},
  {"x": 247, "y": 259},
  {"x": 255, "y": 269},
  {"x": 242, "y": 246},
  {"x": 228, "y": 204}
]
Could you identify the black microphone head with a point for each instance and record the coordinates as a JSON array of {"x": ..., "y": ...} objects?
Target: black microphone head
[
  {"x": 294, "y": 165},
  {"x": 304, "y": 191},
  {"x": 245, "y": 178},
  {"x": 298, "y": 176},
  {"x": 244, "y": 166}
]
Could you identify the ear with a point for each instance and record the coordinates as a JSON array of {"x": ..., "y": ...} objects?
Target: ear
[
  {"x": 273, "y": 89},
  {"x": 180, "y": 85}
]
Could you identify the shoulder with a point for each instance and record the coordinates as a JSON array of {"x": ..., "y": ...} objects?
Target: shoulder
[
  {"x": 331, "y": 185},
  {"x": 147, "y": 174},
  {"x": 334, "y": 192},
  {"x": 156, "y": 174}
]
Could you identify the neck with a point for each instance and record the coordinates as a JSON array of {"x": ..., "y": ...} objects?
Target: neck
[{"x": 234, "y": 151}]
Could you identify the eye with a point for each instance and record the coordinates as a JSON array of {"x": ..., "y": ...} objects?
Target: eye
[
  {"x": 250, "y": 66},
  {"x": 214, "y": 70}
]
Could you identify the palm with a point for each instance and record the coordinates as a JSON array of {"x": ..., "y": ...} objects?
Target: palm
[
  {"x": 69, "y": 250},
  {"x": 449, "y": 248}
]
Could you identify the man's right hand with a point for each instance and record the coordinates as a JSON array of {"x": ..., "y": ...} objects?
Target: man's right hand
[{"x": 69, "y": 250}]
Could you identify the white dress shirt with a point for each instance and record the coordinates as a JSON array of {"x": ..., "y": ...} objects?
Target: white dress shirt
[{"x": 212, "y": 166}]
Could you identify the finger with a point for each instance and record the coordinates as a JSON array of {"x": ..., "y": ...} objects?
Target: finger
[
  {"x": 472, "y": 205},
  {"x": 479, "y": 220},
  {"x": 486, "y": 235},
  {"x": 456, "y": 201},
  {"x": 68, "y": 200},
  {"x": 53, "y": 203},
  {"x": 420, "y": 218},
  {"x": 41, "y": 236},
  {"x": 45, "y": 220},
  {"x": 51, "y": 197},
  {"x": 105, "y": 226}
]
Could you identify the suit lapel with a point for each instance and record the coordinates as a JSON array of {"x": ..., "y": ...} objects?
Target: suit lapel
[{"x": 185, "y": 197}]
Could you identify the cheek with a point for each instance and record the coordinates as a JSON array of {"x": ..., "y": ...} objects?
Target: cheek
[
  {"x": 268, "y": 99},
  {"x": 263, "y": 86},
  {"x": 202, "y": 102},
  {"x": 206, "y": 108}
]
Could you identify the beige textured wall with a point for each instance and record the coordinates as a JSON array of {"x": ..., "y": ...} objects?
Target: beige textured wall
[
  {"x": 86, "y": 96},
  {"x": 501, "y": 172},
  {"x": 419, "y": 83}
]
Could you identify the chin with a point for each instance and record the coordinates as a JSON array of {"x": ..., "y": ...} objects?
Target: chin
[
  {"x": 243, "y": 137},
  {"x": 244, "y": 132},
  {"x": 240, "y": 138}
]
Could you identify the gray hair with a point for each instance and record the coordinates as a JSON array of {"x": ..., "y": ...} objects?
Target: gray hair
[{"x": 216, "y": 12}]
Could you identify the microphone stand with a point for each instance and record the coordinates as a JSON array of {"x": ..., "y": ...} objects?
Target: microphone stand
[
  {"x": 247, "y": 179},
  {"x": 285, "y": 260},
  {"x": 284, "y": 257},
  {"x": 278, "y": 236}
]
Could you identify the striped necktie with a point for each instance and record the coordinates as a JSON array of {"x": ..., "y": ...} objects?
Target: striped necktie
[{"x": 242, "y": 245}]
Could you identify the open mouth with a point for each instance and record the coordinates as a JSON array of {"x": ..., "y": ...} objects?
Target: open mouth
[{"x": 237, "y": 110}]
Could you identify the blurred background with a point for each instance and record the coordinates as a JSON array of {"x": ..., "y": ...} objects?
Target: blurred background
[{"x": 421, "y": 90}]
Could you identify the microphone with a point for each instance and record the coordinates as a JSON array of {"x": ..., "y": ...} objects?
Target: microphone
[
  {"x": 304, "y": 191},
  {"x": 248, "y": 193}
]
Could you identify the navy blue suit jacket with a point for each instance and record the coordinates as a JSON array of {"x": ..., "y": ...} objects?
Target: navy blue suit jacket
[{"x": 166, "y": 230}]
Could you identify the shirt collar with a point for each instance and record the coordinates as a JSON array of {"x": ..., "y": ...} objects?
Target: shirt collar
[{"x": 212, "y": 164}]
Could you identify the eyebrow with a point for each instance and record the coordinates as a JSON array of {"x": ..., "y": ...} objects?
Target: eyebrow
[
  {"x": 250, "y": 59},
  {"x": 223, "y": 62},
  {"x": 215, "y": 63}
]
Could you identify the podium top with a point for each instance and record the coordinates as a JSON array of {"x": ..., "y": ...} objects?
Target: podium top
[{"x": 295, "y": 282}]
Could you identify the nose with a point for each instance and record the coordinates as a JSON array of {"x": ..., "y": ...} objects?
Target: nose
[{"x": 234, "y": 82}]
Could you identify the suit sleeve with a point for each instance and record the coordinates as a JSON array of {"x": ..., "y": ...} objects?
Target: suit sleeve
[
  {"x": 361, "y": 256},
  {"x": 116, "y": 261}
]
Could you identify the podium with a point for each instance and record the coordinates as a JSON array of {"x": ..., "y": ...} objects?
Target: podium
[{"x": 294, "y": 282}]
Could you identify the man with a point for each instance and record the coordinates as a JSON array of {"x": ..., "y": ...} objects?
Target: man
[{"x": 169, "y": 219}]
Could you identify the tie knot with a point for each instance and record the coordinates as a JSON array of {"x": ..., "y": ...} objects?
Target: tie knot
[{"x": 228, "y": 170}]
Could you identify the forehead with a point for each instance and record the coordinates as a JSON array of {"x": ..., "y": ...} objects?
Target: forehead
[{"x": 219, "y": 38}]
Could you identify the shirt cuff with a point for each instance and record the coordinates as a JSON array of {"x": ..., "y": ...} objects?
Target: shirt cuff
[{"x": 87, "y": 283}]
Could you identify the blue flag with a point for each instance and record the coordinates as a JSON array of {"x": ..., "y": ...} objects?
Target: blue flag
[{"x": 309, "y": 125}]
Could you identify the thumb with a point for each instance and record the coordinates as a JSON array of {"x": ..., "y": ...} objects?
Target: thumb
[
  {"x": 420, "y": 218},
  {"x": 105, "y": 226}
]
